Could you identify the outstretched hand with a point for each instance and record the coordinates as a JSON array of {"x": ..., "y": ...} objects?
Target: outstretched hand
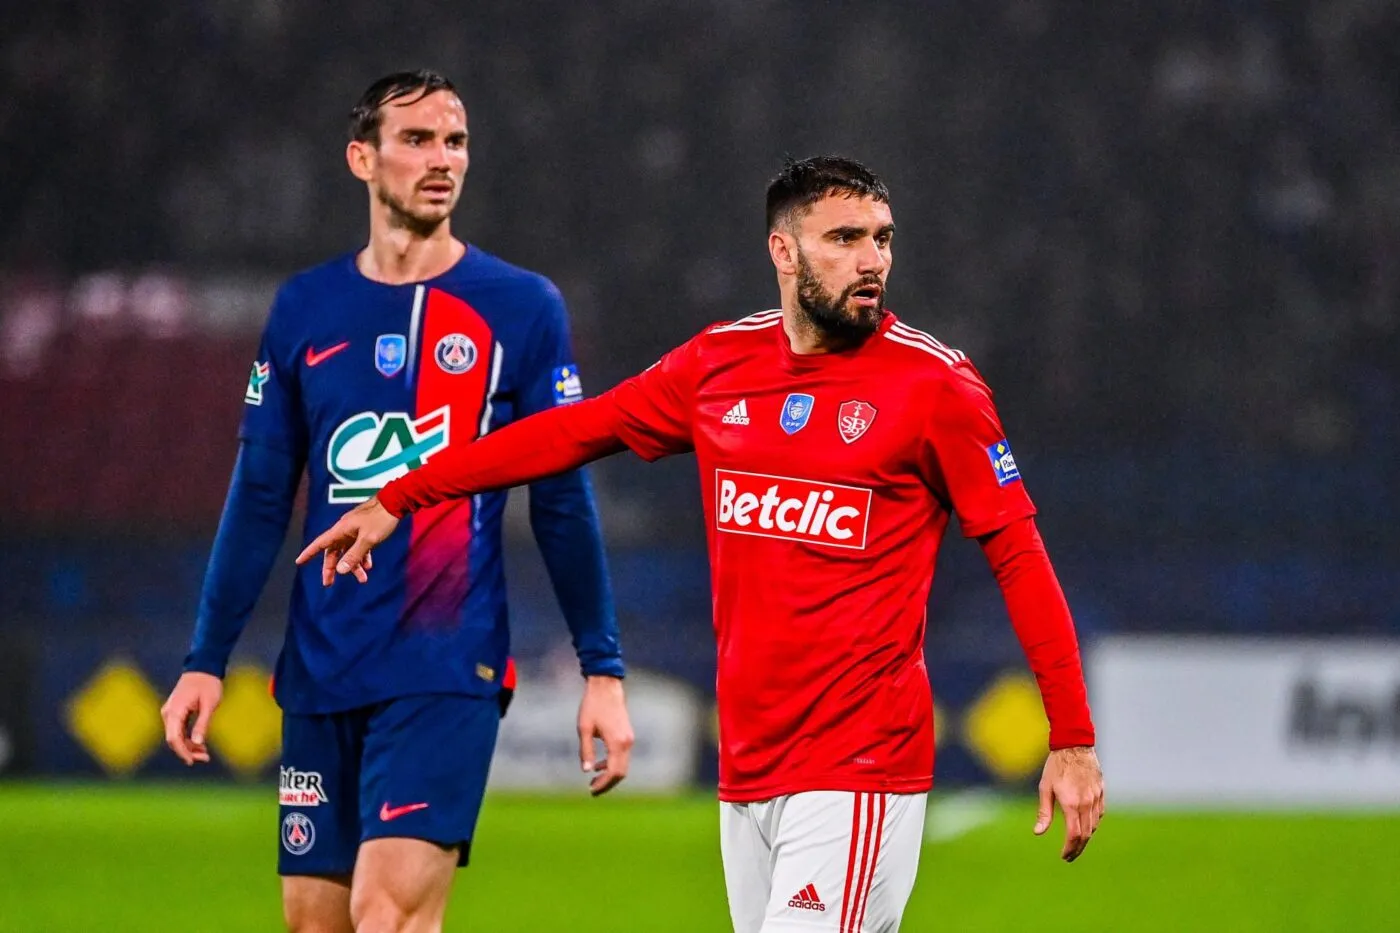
[
  {"x": 1072, "y": 778},
  {"x": 346, "y": 545}
]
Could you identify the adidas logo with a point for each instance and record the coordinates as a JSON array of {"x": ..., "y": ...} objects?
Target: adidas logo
[
  {"x": 807, "y": 899},
  {"x": 739, "y": 414}
]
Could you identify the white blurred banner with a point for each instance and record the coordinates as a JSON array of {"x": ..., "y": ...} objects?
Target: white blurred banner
[
  {"x": 538, "y": 744},
  {"x": 1248, "y": 722}
]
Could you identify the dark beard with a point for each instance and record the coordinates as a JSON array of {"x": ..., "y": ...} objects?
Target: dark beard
[
  {"x": 400, "y": 216},
  {"x": 828, "y": 316}
]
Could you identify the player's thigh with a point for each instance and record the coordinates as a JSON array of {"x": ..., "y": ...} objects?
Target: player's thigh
[
  {"x": 423, "y": 774},
  {"x": 844, "y": 861},
  {"x": 316, "y": 905},
  {"x": 319, "y": 794},
  {"x": 402, "y": 885},
  {"x": 744, "y": 848}
]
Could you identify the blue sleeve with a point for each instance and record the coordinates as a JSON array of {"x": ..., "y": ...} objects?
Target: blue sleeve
[
  {"x": 259, "y": 503},
  {"x": 254, "y": 522},
  {"x": 563, "y": 516},
  {"x": 272, "y": 410}
]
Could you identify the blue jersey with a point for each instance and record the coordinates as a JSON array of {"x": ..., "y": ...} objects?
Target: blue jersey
[{"x": 359, "y": 382}]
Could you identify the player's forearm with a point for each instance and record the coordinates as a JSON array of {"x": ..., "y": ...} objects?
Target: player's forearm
[
  {"x": 1045, "y": 628},
  {"x": 565, "y": 523},
  {"x": 532, "y": 449},
  {"x": 250, "y": 534}
]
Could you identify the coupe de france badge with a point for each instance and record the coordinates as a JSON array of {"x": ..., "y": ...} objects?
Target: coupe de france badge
[
  {"x": 567, "y": 385},
  {"x": 257, "y": 378},
  {"x": 390, "y": 352},
  {"x": 1003, "y": 464},
  {"x": 797, "y": 408},
  {"x": 854, "y": 418}
]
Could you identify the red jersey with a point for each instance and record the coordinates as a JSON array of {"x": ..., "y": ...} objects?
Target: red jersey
[{"x": 828, "y": 482}]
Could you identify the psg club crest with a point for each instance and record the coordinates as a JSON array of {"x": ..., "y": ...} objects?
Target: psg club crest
[
  {"x": 455, "y": 354},
  {"x": 854, "y": 418},
  {"x": 298, "y": 833},
  {"x": 797, "y": 408},
  {"x": 390, "y": 352}
]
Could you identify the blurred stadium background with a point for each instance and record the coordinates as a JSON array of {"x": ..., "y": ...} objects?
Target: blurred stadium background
[{"x": 1168, "y": 233}]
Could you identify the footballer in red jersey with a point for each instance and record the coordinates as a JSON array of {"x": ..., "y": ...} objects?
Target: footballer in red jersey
[{"x": 834, "y": 444}]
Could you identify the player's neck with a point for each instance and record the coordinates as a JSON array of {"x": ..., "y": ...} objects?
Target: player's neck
[
  {"x": 806, "y": 339},
  {"x": 396, "y": 256}
]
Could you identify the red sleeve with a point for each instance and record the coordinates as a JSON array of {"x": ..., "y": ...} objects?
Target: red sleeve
[
  {"x": 533, "y": 448},
  {"x": 657, "y": 407},
  {"x": 650, "y": 413},
  {"x": 968, "y": 459},
  {"x": 1041, "y": 618}
]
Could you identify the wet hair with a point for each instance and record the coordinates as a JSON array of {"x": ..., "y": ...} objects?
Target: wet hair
[
  {"x": 367, "y": 114},
  {"x": 804, "y": 182}
]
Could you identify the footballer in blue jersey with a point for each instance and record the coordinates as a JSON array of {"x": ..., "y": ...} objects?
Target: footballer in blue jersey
[{"x": 370, "y": 365}]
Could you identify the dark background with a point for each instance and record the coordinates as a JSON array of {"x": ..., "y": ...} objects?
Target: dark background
[{"x": 1168, "y": 234}]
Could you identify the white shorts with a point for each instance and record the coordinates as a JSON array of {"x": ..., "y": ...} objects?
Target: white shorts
[{"x": 822, "y": 860}]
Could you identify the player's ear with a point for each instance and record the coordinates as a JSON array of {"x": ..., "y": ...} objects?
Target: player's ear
[
  {"x": 783, "y": 248},
  {"x": 359, "y": 156}
]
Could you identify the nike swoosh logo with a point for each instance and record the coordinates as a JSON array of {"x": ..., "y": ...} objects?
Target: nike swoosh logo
[
  {"x": 315, "y": 359},
  {"x": 387, "y": 813}
]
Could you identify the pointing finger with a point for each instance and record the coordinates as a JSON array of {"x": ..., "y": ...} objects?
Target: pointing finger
[{"x": 324, "y": 541}]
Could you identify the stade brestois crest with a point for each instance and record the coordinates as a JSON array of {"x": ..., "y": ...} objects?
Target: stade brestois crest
[{"x": 369, "y": 449}]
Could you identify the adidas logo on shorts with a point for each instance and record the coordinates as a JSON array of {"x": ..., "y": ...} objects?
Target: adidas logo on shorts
[
  {"x": 739, "y": 414},
  {"x": 807, "y": 899}
]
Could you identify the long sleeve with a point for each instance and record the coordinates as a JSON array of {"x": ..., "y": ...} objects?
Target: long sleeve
[
  {"x": 649, "y": 413},
  {"x": 563, "y": 516},
  {"x": 540, "y": 446},
  {"x": 254, "y": 522},
  {"x": 1043, "y": 625}
]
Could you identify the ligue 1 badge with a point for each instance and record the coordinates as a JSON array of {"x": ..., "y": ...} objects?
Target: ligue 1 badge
[
  {"x": 390, "y": 353},
  {"x": 854, "y": 418},
  {"x": 797, "y": 408},
  {"x": 455, "y": 354}
]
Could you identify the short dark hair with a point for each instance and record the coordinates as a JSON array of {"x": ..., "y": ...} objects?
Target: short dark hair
[
  {"x": 367, "y": 114},
  {"x": 804, "y": 182}
]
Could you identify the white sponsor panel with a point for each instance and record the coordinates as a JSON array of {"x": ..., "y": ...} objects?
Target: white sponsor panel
[
  {"x": 813, "y": 512},
  {"x": 538, "y": 744},
  {"x": 300, "y": 788},
  {"x": 1248, "y": 722}
]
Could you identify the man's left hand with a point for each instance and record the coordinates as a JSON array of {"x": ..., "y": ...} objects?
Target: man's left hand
[
  {"x": 1072, "y": 778},
  {"x": 603, "y": 713}
]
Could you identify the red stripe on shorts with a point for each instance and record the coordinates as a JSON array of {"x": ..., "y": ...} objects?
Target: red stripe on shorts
[
  {"x": 865, "y": 898},
  {"x": 864, "y": 862},
  {"x": 851, "y": 861}
]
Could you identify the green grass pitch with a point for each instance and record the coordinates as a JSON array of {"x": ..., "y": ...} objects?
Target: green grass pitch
[{"x": 116, "y": 858}]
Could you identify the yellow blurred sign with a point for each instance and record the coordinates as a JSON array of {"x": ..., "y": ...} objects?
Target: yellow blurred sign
[
  {"x": 1006, "y": 727},
  {"x": 116, "y": 717},
  {"x": 246, "y": 731}
]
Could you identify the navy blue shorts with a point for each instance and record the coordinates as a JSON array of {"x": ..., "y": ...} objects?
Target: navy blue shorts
[{"x": 412, "y": 767}]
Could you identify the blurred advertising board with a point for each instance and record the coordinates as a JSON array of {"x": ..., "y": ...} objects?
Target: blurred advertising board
[
  {"x": 1248, "y": 722},
  {"x": 538, "y": 747}
]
